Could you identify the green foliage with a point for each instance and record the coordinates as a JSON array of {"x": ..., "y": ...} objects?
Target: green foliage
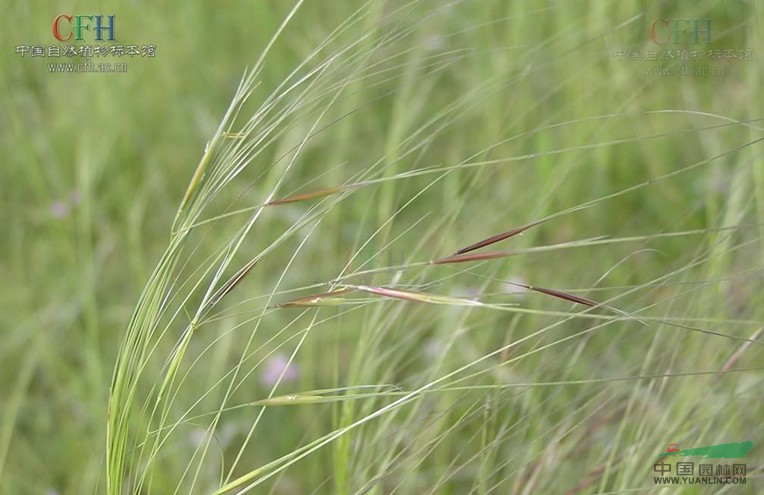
[{"x": 364, "y": 141}]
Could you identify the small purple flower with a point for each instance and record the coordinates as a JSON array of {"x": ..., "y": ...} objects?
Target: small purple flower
[
  {"x": 59, "y": 209},
  {"x": 275, "y": 366}
]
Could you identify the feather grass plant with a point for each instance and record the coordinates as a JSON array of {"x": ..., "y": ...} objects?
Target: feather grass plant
[{"x": 563, "y": 365}]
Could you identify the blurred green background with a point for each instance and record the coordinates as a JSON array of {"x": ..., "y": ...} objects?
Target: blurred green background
[{"x": 557, "y": 102}]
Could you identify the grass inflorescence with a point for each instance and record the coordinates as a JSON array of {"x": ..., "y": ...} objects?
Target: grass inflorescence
[{"x": 429, "y": 247}]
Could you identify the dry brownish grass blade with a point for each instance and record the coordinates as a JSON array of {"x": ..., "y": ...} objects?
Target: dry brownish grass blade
[
  {"x": 733, "y": 360},
  {"x": 460, "y": 258},
  {"x": 312, "y": 195},
  {"x": 394, "y": 293},
  {"x": 232, "y": 282},
  {"x": 497, "y": 238},
  {"x": 559, "y": 294},
  {"x": 421, "y": 297},
  {"x": 322, "y": 299}
]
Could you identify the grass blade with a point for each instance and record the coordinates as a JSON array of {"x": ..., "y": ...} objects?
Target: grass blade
[
  {"x": 461, "y": 258},
  {"x": 420, "y": 297},
  {"x": 323, "y": 299},
  {"x": 312, "y": 195}
]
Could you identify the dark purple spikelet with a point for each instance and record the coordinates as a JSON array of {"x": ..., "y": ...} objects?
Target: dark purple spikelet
[{"x": 497, "y": 238}]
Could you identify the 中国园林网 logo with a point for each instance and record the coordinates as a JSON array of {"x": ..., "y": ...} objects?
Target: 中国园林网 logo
[{"x": 703, "y": 472}]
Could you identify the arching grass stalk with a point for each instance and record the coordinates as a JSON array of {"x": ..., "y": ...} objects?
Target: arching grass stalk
[{"x": 126, "y": 460}]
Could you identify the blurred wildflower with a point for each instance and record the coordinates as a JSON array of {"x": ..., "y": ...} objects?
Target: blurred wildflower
[
  {"x": 61, "y": 208},
  {"x": 275, "y": 366}
]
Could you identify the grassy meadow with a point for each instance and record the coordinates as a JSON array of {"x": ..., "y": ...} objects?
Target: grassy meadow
[{"x": 383, "y": 247}]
